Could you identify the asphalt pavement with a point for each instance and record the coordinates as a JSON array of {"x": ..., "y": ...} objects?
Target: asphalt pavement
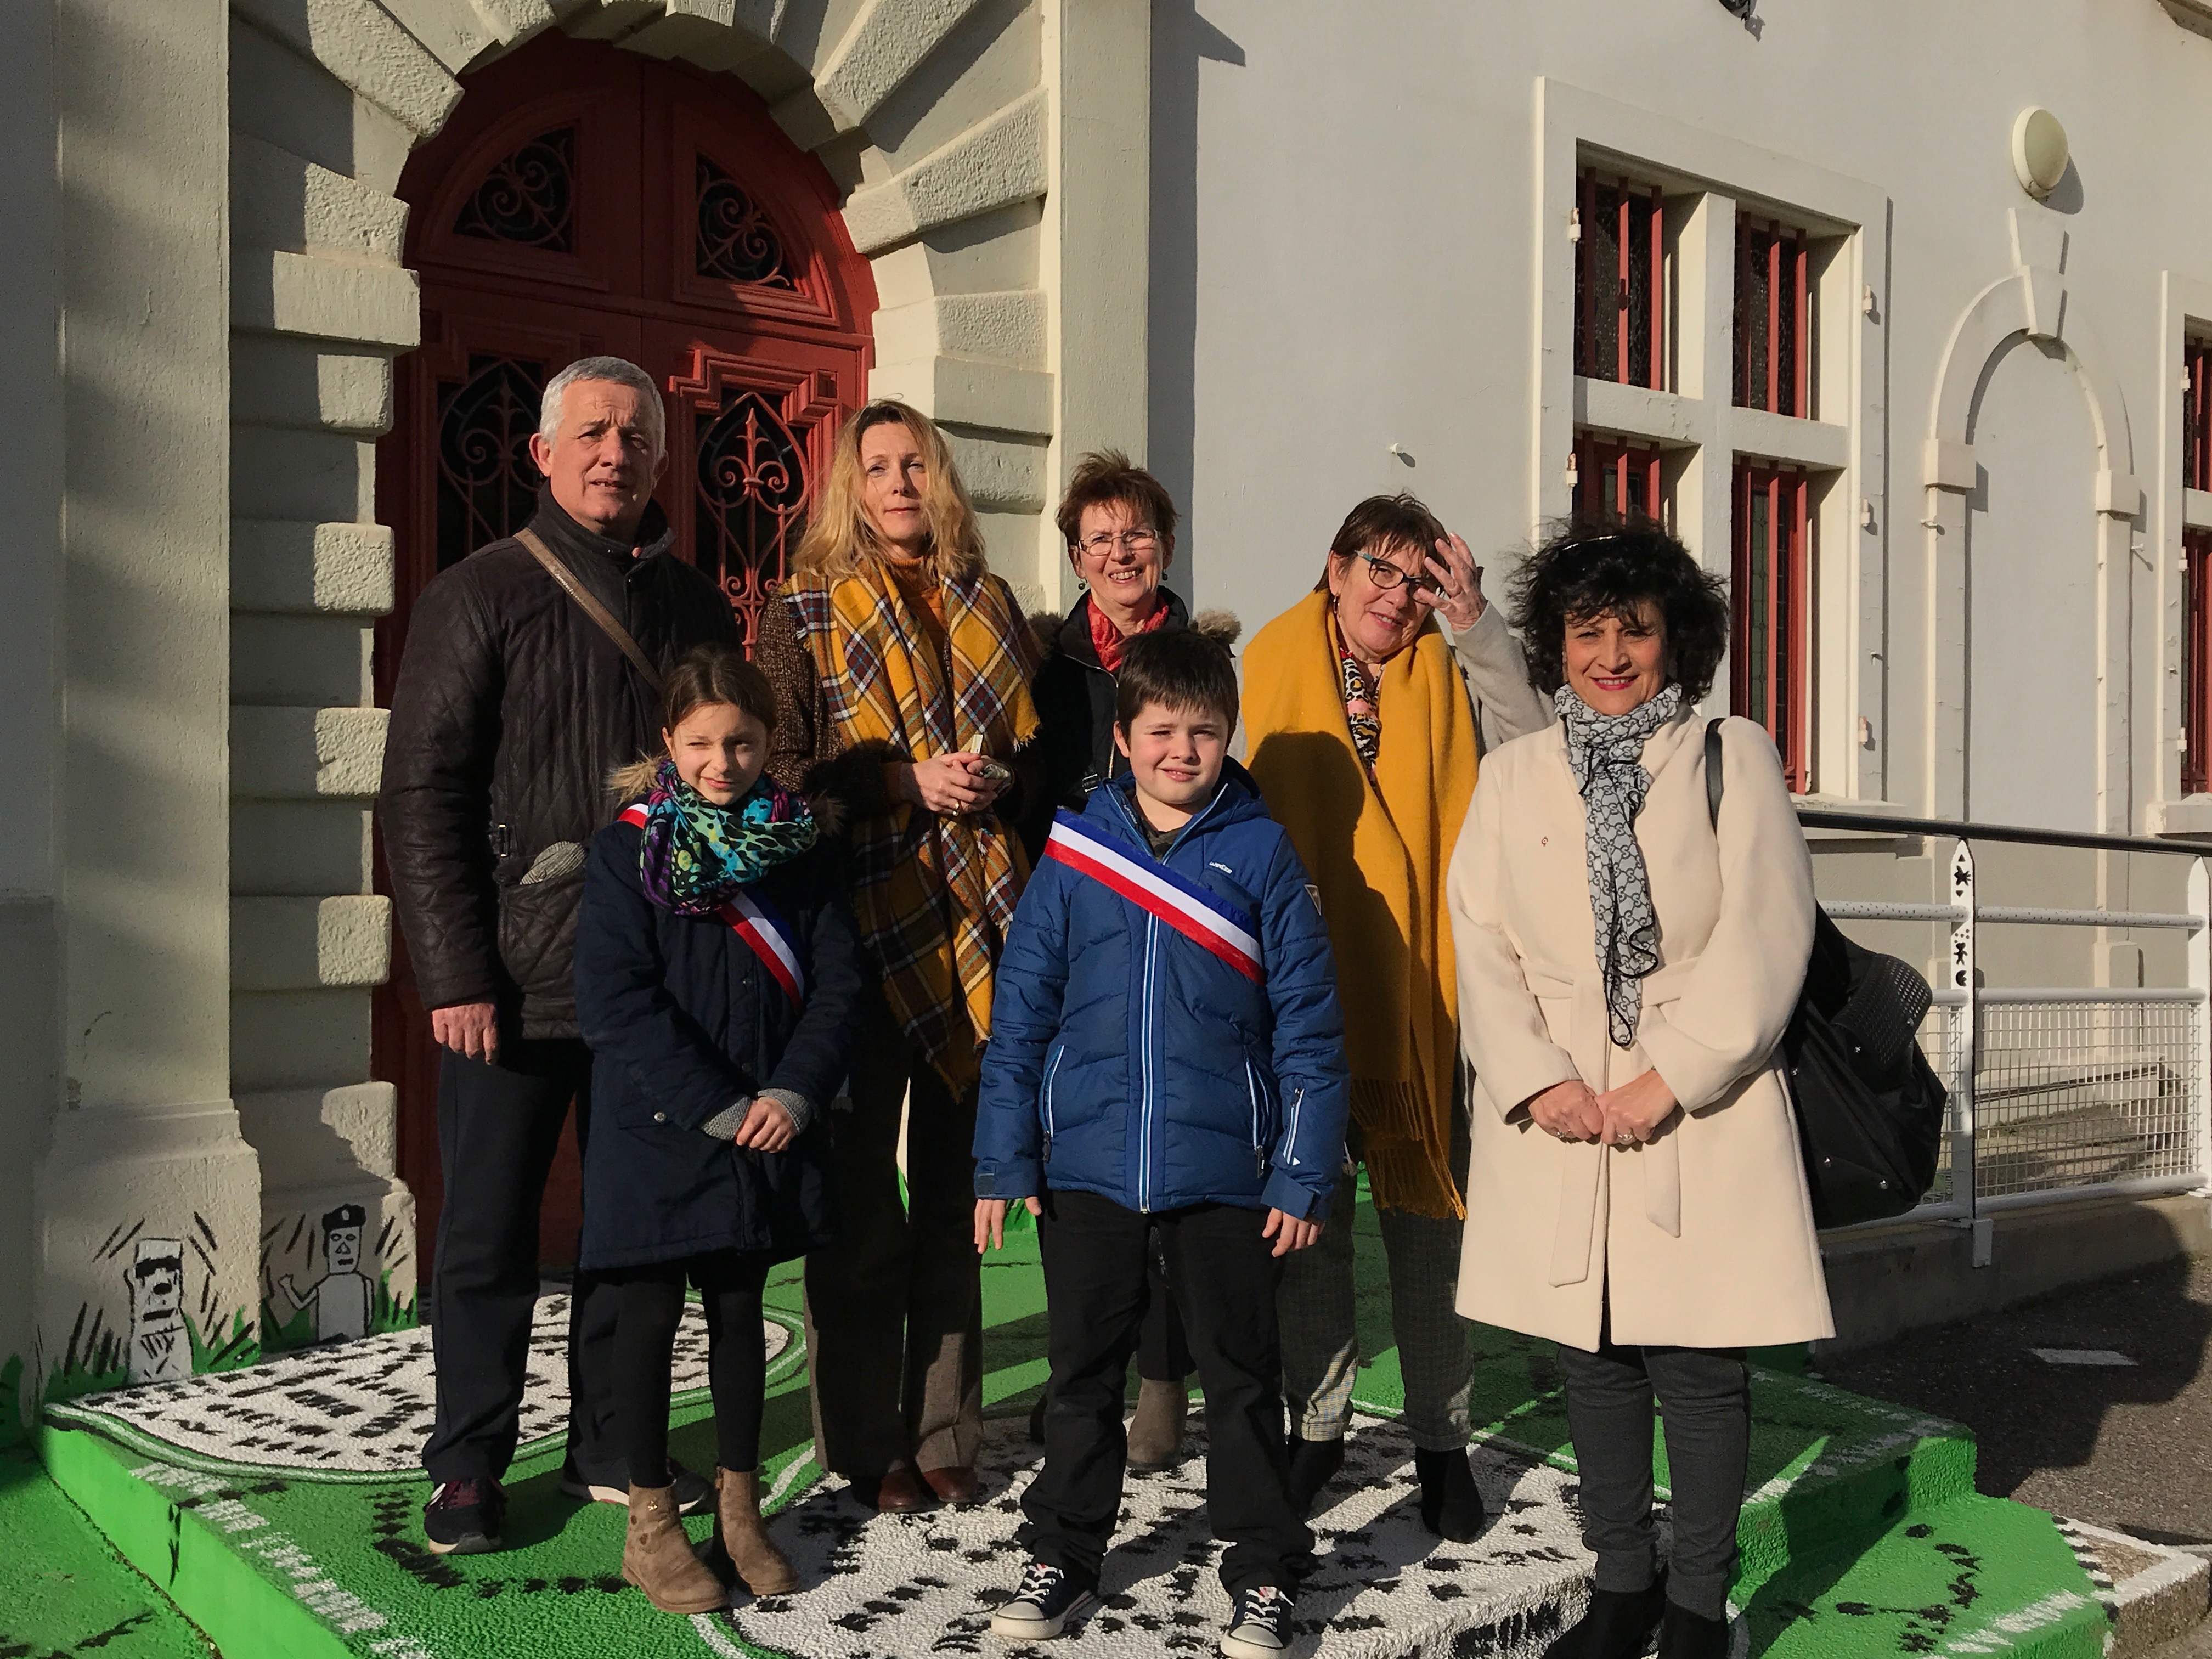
[{"x": 2125, "y": 1446}]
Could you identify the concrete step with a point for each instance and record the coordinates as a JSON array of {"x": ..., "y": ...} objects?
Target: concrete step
[{"x": 278, "y": 1508}]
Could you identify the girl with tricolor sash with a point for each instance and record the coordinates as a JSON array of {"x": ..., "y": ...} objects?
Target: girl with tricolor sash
[{"x": 718, "y": 984}]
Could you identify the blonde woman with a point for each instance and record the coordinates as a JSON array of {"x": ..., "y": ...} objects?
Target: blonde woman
[{"x": 902, "y": 670}]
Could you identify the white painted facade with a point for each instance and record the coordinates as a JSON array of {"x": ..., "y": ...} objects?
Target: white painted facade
[{"x": 1293, "y": 253}]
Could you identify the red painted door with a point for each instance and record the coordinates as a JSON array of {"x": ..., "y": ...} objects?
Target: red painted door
[{"x": 585, "y": 200}]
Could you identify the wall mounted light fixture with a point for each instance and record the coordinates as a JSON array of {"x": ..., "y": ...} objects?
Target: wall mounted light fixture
[{"x": 2038, "y": 152}]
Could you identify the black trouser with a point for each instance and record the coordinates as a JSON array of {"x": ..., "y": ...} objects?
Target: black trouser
[
  {"x": 651, "y": 1301},
  {"x": 1704, "y": 1395},
  {"x": 895, "y": 1306},
  {"x": 1162, "y": 1351},
  {"x": 498, "y": 1127},
  {"x": 1095, "y": 1262}
]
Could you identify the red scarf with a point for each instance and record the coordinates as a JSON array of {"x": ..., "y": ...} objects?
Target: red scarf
[{"x": 1108, "y": 640}]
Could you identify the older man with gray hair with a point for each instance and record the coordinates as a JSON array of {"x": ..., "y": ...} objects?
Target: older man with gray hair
[{"x": 530, "y": 673}]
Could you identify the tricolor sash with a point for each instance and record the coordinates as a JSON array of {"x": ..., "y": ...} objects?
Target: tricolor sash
[
  {"x": 755, "y": 921},
  {"x": 1204, "y": 918}
]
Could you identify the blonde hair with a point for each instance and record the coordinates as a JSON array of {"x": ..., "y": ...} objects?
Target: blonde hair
[{"x": 840, "y": 535}]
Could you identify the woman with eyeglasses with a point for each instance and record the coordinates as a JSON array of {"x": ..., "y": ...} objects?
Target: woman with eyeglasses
[
  {"x": 1365, "y": 738},
  {"x": 1118, "y": 522}
]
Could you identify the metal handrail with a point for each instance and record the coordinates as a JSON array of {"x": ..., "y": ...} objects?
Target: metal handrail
[
  {"x": 1959, "y": 995},
  {"x": 1881, "y": 823},
  {"x": 2031, "y": 915}
]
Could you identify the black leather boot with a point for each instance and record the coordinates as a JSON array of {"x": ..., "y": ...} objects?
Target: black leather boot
[
  {"x": 1687, "y": 1635},
  {"x": 1619, "y": 1624},
  {"x": 1314, "y": 1463},
  {"x": 1451, "y": 1506}
]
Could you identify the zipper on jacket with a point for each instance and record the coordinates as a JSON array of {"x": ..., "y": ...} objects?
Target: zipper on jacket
[
  {"x": 1051, "y": 1072},
  {"x": 1297, "y": 1101},
  {"x": 1144, "y": 1039}
]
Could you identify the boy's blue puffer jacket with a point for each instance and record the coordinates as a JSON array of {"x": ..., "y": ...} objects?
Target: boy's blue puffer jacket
[{"x": 1127, "y": 1060}]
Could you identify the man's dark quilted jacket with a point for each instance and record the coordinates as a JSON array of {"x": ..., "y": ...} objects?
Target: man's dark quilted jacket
[{"x": 510, "y": 709}]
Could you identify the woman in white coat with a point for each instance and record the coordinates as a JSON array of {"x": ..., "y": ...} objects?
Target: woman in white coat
[{"x": 1626, "y": 971}]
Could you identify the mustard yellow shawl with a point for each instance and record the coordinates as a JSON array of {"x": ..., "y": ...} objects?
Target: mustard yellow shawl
[
  {"x": 934, "y": 896},
  {"x": 1377, "y": 851}
]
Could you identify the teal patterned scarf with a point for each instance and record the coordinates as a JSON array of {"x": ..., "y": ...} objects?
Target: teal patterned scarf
[{"x": 695, "y": 854}]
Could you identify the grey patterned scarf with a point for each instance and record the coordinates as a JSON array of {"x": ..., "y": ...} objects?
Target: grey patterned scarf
[{"x": 1606, "y": 751}]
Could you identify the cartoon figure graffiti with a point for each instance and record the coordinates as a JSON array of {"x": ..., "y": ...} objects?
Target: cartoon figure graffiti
[
  {"x": 160, "y": 1343},
  {"x": 344, "y": 1296}
]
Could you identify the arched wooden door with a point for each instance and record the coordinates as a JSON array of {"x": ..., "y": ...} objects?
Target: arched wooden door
[{"x": 585, "y": 200}]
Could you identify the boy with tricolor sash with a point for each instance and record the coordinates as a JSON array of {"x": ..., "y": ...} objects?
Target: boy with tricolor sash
[
  {"x": 718, "y": 982},
  {"x": 1166, "y": 1051}
]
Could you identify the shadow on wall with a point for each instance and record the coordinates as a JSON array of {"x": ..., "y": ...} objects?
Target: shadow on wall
[{"x": 1182, "y": 40}]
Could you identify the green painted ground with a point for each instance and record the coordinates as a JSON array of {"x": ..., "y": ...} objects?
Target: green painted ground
[
  {"x": 1862, "y": 1536},
  {"x": 63, "y": 1592}
]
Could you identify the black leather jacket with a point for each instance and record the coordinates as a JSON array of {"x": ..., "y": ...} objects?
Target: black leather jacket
[{"x": 510, "y": 709}]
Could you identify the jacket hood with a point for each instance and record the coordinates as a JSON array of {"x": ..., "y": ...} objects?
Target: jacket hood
[
  {"x": 572, "y": 540},
  {"x": 1113, "y": 804}
]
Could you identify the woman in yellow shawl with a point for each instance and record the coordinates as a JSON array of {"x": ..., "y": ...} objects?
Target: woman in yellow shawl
[
  {"x": 901, "y": 669},
  {"x": 1363, "y": 738}
]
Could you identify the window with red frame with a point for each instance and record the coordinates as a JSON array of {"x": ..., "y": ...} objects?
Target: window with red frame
[
  {"x": 1616, "y": 480},
  {"x": 1621, "y": 281},
  {"x": 1773, "y": 320},
  {"x": 2195, "y": 669},
  {"x": 1771, "y": 596},
  {"x": 2196, "y": 415}
]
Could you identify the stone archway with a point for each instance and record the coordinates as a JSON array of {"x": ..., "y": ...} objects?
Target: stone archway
[
  {"x": 931, "y": 118},
  {"x": 2033, "y": 304}
]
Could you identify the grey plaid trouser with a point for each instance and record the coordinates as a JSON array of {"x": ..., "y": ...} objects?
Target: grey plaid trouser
[{"x": 1317, "y": 1312}]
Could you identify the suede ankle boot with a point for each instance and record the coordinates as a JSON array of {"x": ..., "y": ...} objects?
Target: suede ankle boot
[
  {"x": 1314, "y": 1463},
  {"x": 1155, "y": 1431},
  {"x": 741, "y": 1536},
  {"x": 1451, "y": 1504},
  {"x": 657, "y": 1556},
  {"x": 1619, "y": 1624},
  {"x": 1687, "y": 1635}
]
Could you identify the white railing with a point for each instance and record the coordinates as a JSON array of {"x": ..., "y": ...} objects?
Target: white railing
[{"x": 2058, "y": 1092}]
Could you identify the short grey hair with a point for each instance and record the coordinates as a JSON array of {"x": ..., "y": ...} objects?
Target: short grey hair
[{"x": 620, "y": 371}]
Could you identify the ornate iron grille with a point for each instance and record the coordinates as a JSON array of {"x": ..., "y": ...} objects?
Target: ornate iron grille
[
  {"x": 752, "y": 501},
  {"x": 529, "y": 197},
  {"x": 736, "y": 241},
  {"x": 1773, "y": 320},
  {"x": 1620, "y": 282},
  {"x": 1769, "y": 596},
  {"x": 487, "y": 483}
]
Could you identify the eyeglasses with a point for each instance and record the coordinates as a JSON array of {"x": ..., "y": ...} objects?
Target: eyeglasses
[
  {"x": 1101, "y": 546},
  {"x": 1386, "y": 575}
]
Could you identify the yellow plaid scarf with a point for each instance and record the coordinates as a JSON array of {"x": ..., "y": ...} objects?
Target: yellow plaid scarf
[
  {"x": 1384, "y": 903},
  {"x": 933, "y": 896}
]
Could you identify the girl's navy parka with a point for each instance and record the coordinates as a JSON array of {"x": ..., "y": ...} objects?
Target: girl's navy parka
[
  {"x": 683, "y": 1021},
  {"x": 1128, "y": 1061}
]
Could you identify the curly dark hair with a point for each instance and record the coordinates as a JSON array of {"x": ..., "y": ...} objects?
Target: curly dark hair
[{"x": 1603, "y": 567}]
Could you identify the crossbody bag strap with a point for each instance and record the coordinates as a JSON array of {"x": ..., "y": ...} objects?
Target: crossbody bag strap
[
  {"x": 1713, "y": 780},
  {"x": 590, "y": 606}
]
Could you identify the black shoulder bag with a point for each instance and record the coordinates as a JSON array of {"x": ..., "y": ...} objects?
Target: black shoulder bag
[{"x": 1869, "y": 1106}]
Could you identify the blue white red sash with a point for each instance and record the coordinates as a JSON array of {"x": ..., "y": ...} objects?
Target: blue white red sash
[
  {"x": 755, "y": 921},
  {"x": 1204, "y": 918}
]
